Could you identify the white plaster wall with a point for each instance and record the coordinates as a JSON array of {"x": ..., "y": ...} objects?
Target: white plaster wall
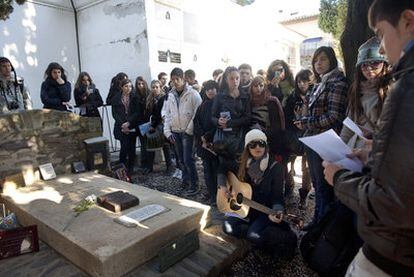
[
  {"x": 113, "y": 38},
  {"x": 36, "y": 35}
]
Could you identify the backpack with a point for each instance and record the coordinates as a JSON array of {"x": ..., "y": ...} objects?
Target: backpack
[{"x": 330, "y": 246}]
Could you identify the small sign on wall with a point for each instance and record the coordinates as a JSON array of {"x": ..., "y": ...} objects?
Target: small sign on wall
[{"x": 47, "y": 171}]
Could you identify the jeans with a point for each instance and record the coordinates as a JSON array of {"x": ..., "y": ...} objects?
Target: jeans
[
  {"x": 127, "y": 152},
  {"x": 210, "y": 166},
  {"x": 144, "y": 153},
  {"x": 184, "y": 146},
  {"x": 252, "y": 231},
  {"x": 324, "y": 193}
]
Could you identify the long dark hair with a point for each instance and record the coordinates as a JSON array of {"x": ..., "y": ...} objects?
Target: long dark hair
[
  {"x": 330, "y": 53},
  {"x": 263, "y": 97},
  {"x": 303, "y": 75},
  {"x": 355, "y": 106},
  {"x": 116, "y": 80},
  {"x": 288, "y": 73},
  {"x": 224, "y": 87},
  {"x": 241, "y": 173},
  {"x": 80, "y": 77},
  {"x": 54, "y": 65},
  {"x": 145, "y": 93}
]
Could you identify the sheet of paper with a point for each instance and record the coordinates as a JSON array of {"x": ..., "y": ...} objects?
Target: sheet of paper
[
  {"x": 353, "y": 127},
  {"x": 332, "y": 149}
]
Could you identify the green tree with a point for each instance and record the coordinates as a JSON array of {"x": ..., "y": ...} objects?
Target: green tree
[
  {"x": 356, "y": 32},
  {"x": 6, "y": 7},
  {"x": 332, "y": 16}
]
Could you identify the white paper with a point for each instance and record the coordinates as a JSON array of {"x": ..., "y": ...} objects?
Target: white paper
[
  {"x": 332, "y": 149},
  {"x": 141, "y": 214},
  {"x": 353, "y": 127}
]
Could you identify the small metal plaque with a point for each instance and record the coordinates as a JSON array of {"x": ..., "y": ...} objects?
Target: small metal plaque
[
  {"x": 18, "y": 242},
  {"x": 177, "y": 250},
  {"x": 97, "y": 159},
  {"x": 47, "y": 171}
]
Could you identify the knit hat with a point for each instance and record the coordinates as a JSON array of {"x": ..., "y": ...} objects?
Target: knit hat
[
  {"x": 369, "y": 51},
  {"x": 253, "y": 135}
]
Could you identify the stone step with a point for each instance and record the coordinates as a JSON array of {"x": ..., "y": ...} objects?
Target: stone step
[{"x": 217, "y": 252}]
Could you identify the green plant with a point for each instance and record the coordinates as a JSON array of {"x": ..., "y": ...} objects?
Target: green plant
[{"x": 332, "y": 17}]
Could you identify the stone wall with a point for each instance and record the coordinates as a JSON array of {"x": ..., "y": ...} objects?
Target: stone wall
[{"x": 42, "y": 136}]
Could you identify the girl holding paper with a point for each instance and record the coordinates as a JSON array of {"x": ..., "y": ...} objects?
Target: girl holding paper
[
  {"x": 326, "y": 110},
  {"x": 367, "y": 93}
]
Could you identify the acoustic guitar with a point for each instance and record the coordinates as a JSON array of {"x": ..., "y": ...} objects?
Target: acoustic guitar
[{"x": 241, "y": 202}]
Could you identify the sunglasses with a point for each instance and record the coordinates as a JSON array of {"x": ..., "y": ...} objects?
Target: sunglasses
[
  {"x": 254, "y": 144},
  {"x": 372, "y": 65}
]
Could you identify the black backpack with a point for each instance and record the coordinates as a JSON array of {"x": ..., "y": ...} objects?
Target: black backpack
[{"x": 330, "y": 246}]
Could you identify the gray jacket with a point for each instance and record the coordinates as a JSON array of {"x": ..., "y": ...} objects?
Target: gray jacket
[
  {"x": 13, "y": 97},
  {"x": 383, "y": 197}
]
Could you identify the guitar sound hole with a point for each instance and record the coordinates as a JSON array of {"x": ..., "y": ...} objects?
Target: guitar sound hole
[{"x": 234, "y": 206}]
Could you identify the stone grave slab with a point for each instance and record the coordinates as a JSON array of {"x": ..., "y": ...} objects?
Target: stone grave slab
[{"x": 93, "y": 241}]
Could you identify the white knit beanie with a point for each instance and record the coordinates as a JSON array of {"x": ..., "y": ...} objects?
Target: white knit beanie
[{"x": 254, "y": 135}]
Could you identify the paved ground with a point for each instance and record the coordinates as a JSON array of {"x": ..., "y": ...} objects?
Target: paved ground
[{"x": 255, "y": 263}]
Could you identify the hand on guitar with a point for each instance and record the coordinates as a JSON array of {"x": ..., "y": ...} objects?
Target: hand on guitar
[
  {"x": 276, "y": 218},
  {"x": 224, "y": 191}
]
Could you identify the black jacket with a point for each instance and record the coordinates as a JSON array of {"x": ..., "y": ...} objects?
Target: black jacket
[
  {"x": 383, "y": 197},
  {"x": 269, "y": 191},
  {"x": 293, "y": 101},
  {"x": 53, "y": 94},
  {"x": 204, "y": 127},
  {"x": 120, "y": 116},
  {"x": 142, "y": 103},
  {"x": 239, "y": 109},
  {"x": 155, "y": 113},
  {"x": 276, "y": 131},
  {"x": 92, "y": 102}
]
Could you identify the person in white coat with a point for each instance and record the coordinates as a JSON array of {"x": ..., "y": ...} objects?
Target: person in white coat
[{"x": 179, "y": 111}]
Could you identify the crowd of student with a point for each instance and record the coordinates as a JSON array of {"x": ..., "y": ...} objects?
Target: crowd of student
[{"x": 250, "y": 125}]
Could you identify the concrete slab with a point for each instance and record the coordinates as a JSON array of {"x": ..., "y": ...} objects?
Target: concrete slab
[{"x": 93, "y": 241}]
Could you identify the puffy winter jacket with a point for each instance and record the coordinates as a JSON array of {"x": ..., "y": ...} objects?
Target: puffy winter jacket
[{"x": 180, "y": 111}]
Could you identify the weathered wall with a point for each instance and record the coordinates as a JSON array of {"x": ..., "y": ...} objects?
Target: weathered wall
[
  {"x": 113, "y": 38},
  {"x": 36, "y": 35},
  {"x": 42, "y": 136}
]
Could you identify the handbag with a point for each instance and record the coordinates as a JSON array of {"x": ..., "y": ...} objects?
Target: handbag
[{"x": 227, "y": 142}]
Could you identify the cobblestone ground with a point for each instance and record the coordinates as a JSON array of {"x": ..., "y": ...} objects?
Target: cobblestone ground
[{"x": 255, "y": 263}]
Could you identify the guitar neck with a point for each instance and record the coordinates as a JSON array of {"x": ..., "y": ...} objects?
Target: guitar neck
[{"x": 254, "y": 205}]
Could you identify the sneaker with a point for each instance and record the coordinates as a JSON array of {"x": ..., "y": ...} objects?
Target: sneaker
[
  {"x": 177, "y": 174},
  {"x": 193, "y": 190}
]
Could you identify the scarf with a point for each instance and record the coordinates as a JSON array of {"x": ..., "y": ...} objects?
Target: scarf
[
  {"x": 321, "y": 86},
  {"x": 256, "y": 168},
  {"x": 125, "y": 101}
]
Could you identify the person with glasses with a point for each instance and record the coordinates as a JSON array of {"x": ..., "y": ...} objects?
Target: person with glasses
[
  {"x": 87, "y": 96},
  {"x": 367, "y": 93},
  {"x": 265, "y": 176}
]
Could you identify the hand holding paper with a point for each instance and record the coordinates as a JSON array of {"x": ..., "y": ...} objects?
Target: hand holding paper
[{"x": 332, "y": 149}]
